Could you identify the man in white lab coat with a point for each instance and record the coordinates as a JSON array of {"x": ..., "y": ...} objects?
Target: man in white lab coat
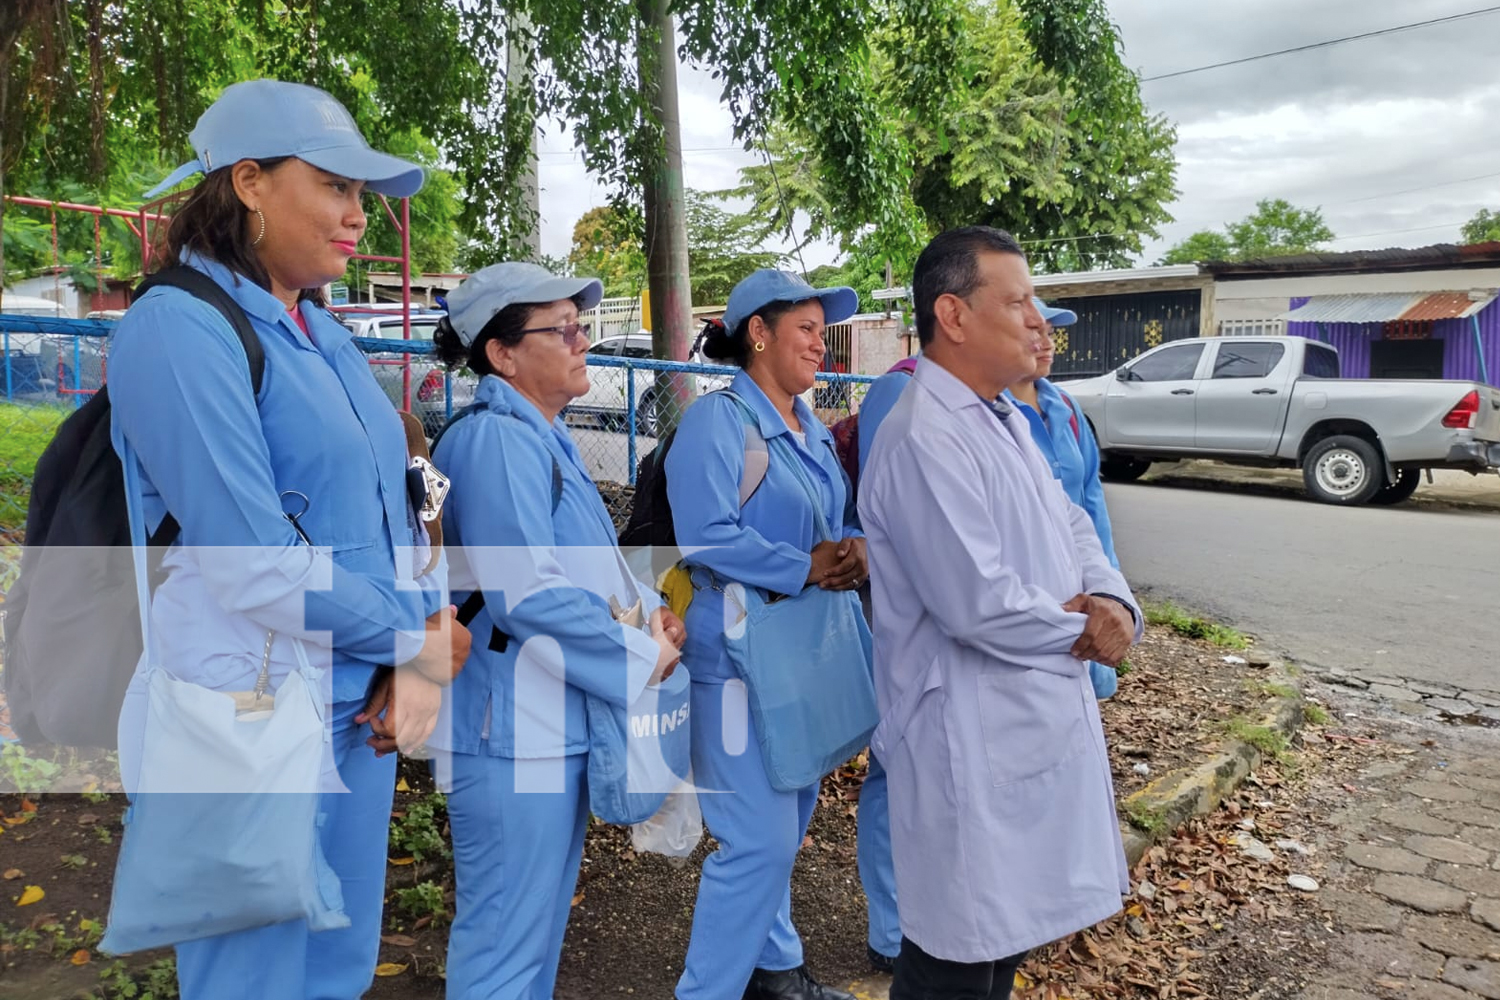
[{"x": 991, "y": 594}]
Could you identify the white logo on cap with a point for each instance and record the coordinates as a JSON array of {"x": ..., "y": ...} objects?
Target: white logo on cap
[{"x": 335, "y": 117}]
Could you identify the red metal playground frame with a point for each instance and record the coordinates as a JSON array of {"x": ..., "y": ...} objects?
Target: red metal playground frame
[{"x": 141, "y": 221}]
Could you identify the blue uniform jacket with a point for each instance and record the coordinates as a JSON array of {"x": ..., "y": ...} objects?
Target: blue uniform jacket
[
  {"x": 879, "y": 399},
  {"x": 547, "y": 577},
  {"x": 218, "y": 459},
  {"x": 1074, "y": 460},
  {"x": 766, "y": 544}
]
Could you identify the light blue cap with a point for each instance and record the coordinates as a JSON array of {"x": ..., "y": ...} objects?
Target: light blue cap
[
  {"x": 1057, "y": 317},
  {"x": 264, "y": 119},
  {"x": 490, "y": 289},
  {"x": 768, "y": 285}
]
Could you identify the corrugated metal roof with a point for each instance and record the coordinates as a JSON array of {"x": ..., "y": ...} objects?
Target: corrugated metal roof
[
  {"x": 1386, "y": 307},
  {"x": 1439, "y": 255},
  {"x": 1449, "y": 305},
  {"x": 1377, "y": 307}
]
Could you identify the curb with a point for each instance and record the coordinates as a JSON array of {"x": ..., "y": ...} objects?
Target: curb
[{"x": 1179, "y": 795}]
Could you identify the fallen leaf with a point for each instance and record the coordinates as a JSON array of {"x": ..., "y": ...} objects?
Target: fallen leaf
[
  {"x": 12, "y": 873},
  {"x": 87, "y": 819},
  {"x": 577, "y": 899},
  {"x": 80, "y": 957},
  {"x": 31, "y": 894},
  {"x": 28, "y": 806},
  {"x": 1391, "y": 984},
  {"x": 389, "y": 969},
  {"x": 403, "y": 861},
  {"x": 421, "y": 922},
  {"x": 402, "y": 786},
  {"x": 399, "y": 940}
]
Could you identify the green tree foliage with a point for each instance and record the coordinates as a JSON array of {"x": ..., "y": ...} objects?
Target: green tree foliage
[
  {"x": 1045, "y": 135},
  {"x": 1275, "y": 228},
  {"x": 723, "y": 248},
  {"x": 1484, "y": 227},
  {"x": 132, "y": 76}
]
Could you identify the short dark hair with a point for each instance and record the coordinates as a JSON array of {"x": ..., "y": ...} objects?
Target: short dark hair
[
  {"x": 211, "y": 223},
  {"x": 949, "y": 265},
  {"x": 507, "y": 326}
]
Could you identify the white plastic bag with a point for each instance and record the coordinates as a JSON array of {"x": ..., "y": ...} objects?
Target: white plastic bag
[{"x": 675, "y": 829}]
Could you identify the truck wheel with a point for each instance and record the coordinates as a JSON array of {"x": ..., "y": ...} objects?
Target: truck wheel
[
  {"x": 1407, "y": 481},
  {"x": 1123, "y": 470},
  {"x": 1342, "y": 469}
]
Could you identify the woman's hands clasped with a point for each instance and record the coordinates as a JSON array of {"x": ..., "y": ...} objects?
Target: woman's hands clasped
[{"x": 840, "y": 565}]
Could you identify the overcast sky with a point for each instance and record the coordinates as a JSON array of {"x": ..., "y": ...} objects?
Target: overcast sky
[{"x": 1396, "y": 138}]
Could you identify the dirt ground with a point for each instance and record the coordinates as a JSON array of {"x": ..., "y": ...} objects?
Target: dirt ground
[{"x": 632, "y": 914}]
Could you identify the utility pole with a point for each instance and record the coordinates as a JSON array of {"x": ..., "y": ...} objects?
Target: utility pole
[
  {"x": 519, "y": 53},
  {"x": 665, "y": 200}
]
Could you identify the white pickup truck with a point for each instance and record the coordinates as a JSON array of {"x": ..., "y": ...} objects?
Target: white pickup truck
[{"x": 1279, "y": 401}]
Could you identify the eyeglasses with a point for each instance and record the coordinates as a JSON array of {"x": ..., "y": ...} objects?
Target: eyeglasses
[{"x": 571, "y": 333}]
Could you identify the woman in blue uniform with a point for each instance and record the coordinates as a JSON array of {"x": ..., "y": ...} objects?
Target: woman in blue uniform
[
  {"x": 277, "y": 217},
  {"x": 1067, "y": 443},
  {"x": 526, "y": 526},
  {"x": 773, "y": 330}
]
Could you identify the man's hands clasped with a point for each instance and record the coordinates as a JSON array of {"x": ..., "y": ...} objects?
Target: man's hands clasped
[{"x": 1109, "y": 632}]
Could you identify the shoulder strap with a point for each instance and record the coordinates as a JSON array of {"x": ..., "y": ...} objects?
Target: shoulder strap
[
  {"x": 757, "y": 456},
  {"x": 1072, "y": 416},
  {"x": 201, "y": 286}
]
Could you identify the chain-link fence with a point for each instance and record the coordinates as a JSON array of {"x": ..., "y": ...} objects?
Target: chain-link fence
[{"x": 51, "y": 366}]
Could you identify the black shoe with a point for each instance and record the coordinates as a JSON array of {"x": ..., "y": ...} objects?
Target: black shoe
[
  {"x": 881, "y": 963},
  {"x": 792, "y": 984}
]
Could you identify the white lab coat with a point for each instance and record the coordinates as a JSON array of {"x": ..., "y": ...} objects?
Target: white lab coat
[{"x": 1002, "y": 807}]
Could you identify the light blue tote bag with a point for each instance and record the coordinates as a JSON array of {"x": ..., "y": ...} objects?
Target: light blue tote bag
[
  {"x": 806, "y": 663},
  {"x": 222, "y": 831},
  {"x": 638, "y": 754}
]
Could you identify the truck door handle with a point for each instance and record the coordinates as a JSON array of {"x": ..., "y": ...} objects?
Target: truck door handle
[
  {"x": 1182, "y": 392},
  {"x": 1263, "y": 392}
]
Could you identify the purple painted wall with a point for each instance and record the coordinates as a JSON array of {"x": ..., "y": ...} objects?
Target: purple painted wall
[{"x": 1460, "y": 354}]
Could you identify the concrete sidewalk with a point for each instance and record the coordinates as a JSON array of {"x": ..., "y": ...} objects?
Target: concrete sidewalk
[{"x": 1448, "y": 487}]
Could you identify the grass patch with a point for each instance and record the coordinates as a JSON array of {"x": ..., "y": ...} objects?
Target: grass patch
[
  {"x": 24, "y": 433},
  {"x": 1151, "y": 820},
  {"x": 1314, "y": 714},
  {"x": 1272, "y": 689},
  {"x": 1192, "y": 627},
  {"x": 1271, "y": 743}
]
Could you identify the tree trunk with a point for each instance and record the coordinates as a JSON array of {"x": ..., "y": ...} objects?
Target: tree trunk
[{"x": 665, "y": 201}]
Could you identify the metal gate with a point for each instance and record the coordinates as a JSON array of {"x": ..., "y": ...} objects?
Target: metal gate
[{"x": 1112, "y": 329}]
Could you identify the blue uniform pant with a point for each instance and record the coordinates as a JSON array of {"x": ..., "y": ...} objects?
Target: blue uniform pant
[
  {"x": 518, "y": 829},
  {"x": 877, "y": 868},
  {"x": 287, "y": 960},
  {"x": 743, "y": 918}
]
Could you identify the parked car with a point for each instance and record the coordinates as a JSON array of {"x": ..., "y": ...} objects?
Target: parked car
[
  {"x": 428, "y": 378},
  {"x": 1279, "y": 401},
  {"x": 42, "y": 366},
  {"x": 606, "y": 400}
]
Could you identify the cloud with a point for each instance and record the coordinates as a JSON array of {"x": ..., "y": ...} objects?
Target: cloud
[{"x": 1391, "y": 136}]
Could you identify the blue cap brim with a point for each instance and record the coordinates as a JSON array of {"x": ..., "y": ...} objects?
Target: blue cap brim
[
  {"x": 175, "y": 178},
  {"x": 1059, "y": 317},
  {"x": 589, "y": 290},
  {"x": 381, "y": 172},
  {"x": 838, "y": 303}
]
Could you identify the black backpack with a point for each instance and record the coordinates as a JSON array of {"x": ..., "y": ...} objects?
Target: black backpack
[
  {"x": 72, "y": 628},
  {"x": 650, "y": 521}
]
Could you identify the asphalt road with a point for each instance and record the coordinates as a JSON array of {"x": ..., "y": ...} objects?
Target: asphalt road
[{"x": 1401, "y": 591}]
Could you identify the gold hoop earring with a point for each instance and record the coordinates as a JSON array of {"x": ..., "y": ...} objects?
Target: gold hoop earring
[
  {"x": 262, "y": 234},
  {"x": 760, "y": 345}
]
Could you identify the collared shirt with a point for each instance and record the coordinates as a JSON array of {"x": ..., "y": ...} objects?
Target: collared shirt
[
  {"x": 219, "y": 459},
  {"x": 1002, "y": 807},
  {"x": 547, "y": 576},
  {"x": 1072, "y": 457},
  {"x": 768, "y": 542}
]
